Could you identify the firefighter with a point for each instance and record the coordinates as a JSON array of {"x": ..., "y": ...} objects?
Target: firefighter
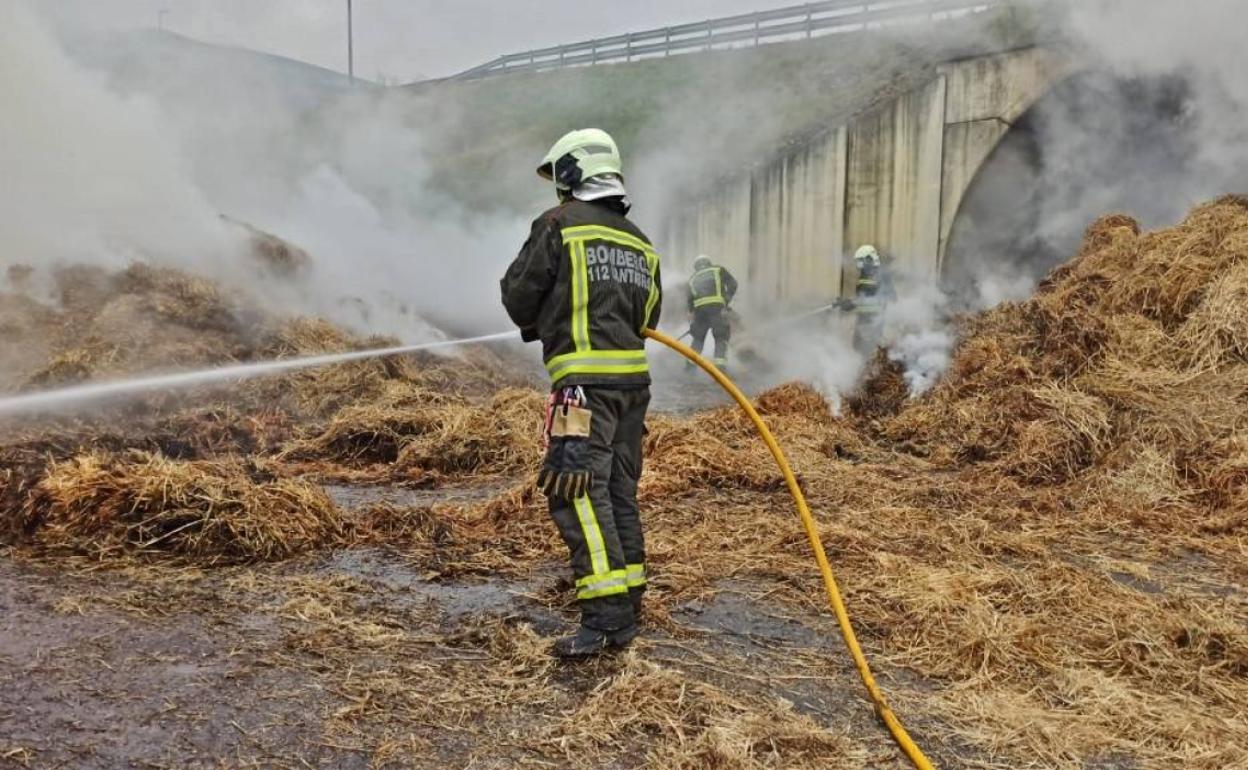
[
  {"x": 586, "y": 284},
  {"x": 871, "y": 291},
  {"x": 711, "y": 289}
]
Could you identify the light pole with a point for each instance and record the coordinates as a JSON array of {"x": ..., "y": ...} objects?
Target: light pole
[{"x": 350, "y": 45}]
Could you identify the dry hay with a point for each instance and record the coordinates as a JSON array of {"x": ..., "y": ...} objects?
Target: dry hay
[
  {"x": 883, "y": 391},
  {"x": 322, "y": 391},
  {"x": 277, "y": 257},
  {"x": 143, "y": 318},
  {"x": 1137, "y": 342},
  {"x": 689, "y": 724},
  {"x": 410, "y": 433},
  {"x": 721, "y": 450},
  {"x": 23, "y": 345},
  {"x": 138, "y": 319},
  {"x": 211, "y": 511}
]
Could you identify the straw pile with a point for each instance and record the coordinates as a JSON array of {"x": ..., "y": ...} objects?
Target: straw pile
[
  {"x": 409, "y": 433},
  {"x": 210, "y": 511},
  {"x": 1129, "y": 363},
  {"x": 143, "y": 319},
  {"x": 138, "y": 319}
]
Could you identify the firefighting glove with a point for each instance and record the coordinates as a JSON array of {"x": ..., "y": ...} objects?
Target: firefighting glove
[{"x": 566, "y": 470}]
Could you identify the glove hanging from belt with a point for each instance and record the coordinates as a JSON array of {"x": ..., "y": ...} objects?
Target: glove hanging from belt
[{"x": 566, "y": 470}]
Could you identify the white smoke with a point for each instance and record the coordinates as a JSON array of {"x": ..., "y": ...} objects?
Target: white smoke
[
  {"x": 825, "y": 361},
  {"x": 87, "y": 172},
  {"x": 133, "y": 147},
  {"x": 918, "y": 336}
]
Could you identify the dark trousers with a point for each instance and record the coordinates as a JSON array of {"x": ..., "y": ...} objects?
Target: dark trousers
[
  {"x": 603, "y": 529},
  {"x": 715, "y": 320}
]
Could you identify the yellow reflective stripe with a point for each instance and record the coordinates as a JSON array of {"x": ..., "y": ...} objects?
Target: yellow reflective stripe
[
  {"x": 574, "y": 238},
  {"x": 593, "y": 580},
  {"x": 652, "y": 262},
  {"x": 618, "y": 369},
  {"x": 598, "y": 362},
  {"x": 600, "y": 232},
  {"x": 580, "y": 297},
  {"x": 593, "y": 586},
  {"x": 617, "y": 587},
  {"x": 635, "y": 575},
  {"x": 593, "y": 535},
  {"x": 606, "y": 356},
  {"x": 711, "y": 299},
  {"x": 603, "y": 368}
]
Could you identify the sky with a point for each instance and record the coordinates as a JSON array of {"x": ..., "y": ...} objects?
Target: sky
[{"x": 399, "y": 40}]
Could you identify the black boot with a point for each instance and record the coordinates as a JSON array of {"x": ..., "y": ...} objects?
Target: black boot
[
  {"x": 587, "y": 642},
  {"x": 634, "y": 596}
]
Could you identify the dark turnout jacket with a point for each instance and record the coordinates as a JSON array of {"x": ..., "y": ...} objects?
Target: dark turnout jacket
[
  {"x": 586, "y": 283},
  {"x": 711, "y": 287}
]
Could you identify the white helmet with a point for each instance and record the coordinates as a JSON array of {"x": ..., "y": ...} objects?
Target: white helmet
[
  {"x": 579, "y": 155},
  {"x": 867, "y": 254}
]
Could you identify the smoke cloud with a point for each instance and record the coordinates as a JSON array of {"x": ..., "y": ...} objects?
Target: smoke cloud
[
  {"x": 86, "y": 171},
  {"x": 136, "y": 147}
]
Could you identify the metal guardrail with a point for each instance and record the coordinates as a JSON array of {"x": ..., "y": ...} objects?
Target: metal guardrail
[{"x": 752, "y": 29}]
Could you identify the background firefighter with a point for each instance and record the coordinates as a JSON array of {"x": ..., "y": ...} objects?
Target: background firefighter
[
  {"x": 873, "y": 289},
  {"x": 587, "y": 284},
  {"x": 711, "y": 289}
]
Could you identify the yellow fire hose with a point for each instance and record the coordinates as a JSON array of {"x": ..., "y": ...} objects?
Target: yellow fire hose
[{"x": 829, "y": 580}]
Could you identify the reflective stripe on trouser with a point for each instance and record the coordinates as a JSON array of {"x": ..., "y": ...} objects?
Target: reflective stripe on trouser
[
  {"x": 603, "y": 530},
  {"x": 713, "y": 320},
  {"x": 635, "y": 575}
]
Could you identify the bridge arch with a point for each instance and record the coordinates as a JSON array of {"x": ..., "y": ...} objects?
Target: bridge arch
[
  {"x": 895, "y": 176},
  {"x": 1093, "y": 143}
]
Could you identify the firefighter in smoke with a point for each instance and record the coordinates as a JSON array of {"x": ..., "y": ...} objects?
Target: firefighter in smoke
[
  {"x": 586, "y": 283},
  {"x": 711, "y": 289},
  {"x": 872, "y": 291}
]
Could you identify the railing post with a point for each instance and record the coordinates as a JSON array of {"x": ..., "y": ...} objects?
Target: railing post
[
  {"x": 810, "y": 12},
  {"x": 593, "y": 52},
  {"x": 709, "y": 29},
  {"x": 756, "y": 31},
  {"x": 628, "y": 47},
  {"x": 667, "y": 41}
]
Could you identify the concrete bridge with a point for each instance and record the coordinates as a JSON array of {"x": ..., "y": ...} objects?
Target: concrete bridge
[{"x": 896, "y": 177}]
